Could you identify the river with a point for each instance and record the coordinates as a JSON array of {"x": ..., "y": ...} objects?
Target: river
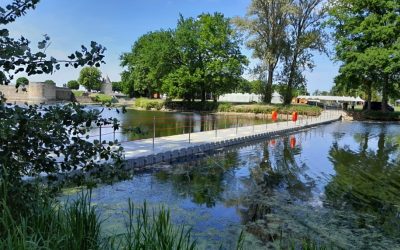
[
  {"x": 337, "y": 185},
  {"x": 139, "y": 124}
]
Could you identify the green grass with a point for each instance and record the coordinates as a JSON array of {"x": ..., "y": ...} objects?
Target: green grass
[
  {"x": 78, "y": 93},
  {"x": 242, "y": 108},
  {"x": 149, "y": 104},
  {"x": 49, "y": 226},
  {"x": 103, "y": 98},
  {"x": 267, "y": 109}
]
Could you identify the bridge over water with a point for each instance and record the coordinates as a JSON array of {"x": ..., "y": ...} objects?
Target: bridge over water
[{"x": 144, "y": 152}]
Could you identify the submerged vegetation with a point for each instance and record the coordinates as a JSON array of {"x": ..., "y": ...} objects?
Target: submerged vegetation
[{"x": 76, "y": 225}]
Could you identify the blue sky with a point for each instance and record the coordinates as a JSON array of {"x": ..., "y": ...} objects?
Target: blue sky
[{"x": 117, "y": 24}]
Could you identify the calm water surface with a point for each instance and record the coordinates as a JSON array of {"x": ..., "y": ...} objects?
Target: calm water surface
[
  {"x": 337, "y": 184},
  {"x": 167, "y": 123}
]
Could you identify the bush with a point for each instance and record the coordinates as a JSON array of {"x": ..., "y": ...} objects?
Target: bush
[
  {"x": 267, "y": 109},
  {"x": 22, "y": 81},
  {"x": 375, "y": 115},
  {"x": 78, "y": 93},
  {"x": 225, "y": 107},
  {"x": 103, "y": 98},
  {"x": 50, "y": 82},
  {"x": 73, "y": 84},
  {"x": 149, "y": 104}
]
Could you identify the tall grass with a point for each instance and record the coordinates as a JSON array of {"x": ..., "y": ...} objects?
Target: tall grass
[
  {"x": 149, "y": 104},
  {"x": 48, "y": 226},
  {"x": 151, "y": 230},
  {"x": 77, "y": 225}
]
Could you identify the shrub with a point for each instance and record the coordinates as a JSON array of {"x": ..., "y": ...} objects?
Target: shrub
[
  {"x": 103, "y": 98},
  {"x": 73, "y": 84},
  {"x": 78, "y": 93},
  {"x": 22, "y": 81},
  {"x": 149, "y": 104},
  {"x": 50, "y": 82},
  {"x": 224, "y": 107}
]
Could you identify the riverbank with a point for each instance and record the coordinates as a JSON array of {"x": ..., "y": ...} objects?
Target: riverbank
[
  {"x": 362, "y": 115},
  {"x": 223, "y": 107}
]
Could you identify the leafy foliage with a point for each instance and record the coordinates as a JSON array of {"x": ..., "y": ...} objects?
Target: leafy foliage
[
  {"x": 90, "y": 78},
  {"x": 265, "y": 23},
  {"x": 51, "y": 82},
  {"x": 367, "y": 43},
  {"x": 151, "y": 59},
  {"x": 304, "y": 36},
  {"x": 148, "y": 104},
  {"x": 22, "y": 81},
  {"x": 73, "y": 84},
  {"x": 17, "y": 56},
  {"x": 201, "y": 56},
  {"x": 117, "y": 86},
  {"x": 209, "y": 58},
  {"x": 36, "y": 140}
]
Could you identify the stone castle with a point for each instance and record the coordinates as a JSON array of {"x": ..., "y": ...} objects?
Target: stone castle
[{"x": 36, "y": 92}]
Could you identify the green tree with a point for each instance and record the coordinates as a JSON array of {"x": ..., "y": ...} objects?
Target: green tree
[
  {"x": 265, "y": 23},
  {"x": 17, "y": 56},
  {"x": 90, "y": 78},
  {"x": 117, "y": 86},
  {"x": 151, "y": 59},
  {"x": 51, "y": 82},
  {"x": 304, "y": 35},
  {"x": 22, "y": 81},
  {"x": 209, "y": 59},
  {"x": 127, "y": 83},
  {"x": 73, "y": 84},
  {"x": 44, "y": 139},
  {"x": 367, "y": 43}
]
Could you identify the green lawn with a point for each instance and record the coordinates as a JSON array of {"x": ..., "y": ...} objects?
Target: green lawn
[{"x": 78, "y": 93}]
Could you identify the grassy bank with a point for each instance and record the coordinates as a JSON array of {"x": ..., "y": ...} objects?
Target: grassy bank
[
  {"x": 267, "y": 109},
  {"x": 157, "y": 104},
  {"x": 374, "y": 115}
]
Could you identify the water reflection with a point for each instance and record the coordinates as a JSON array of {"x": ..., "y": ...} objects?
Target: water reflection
[
  {"x": 367, "y": 181},
  {"x": 203, "y": 182},
  {"x": 337, "y": 184},
  {"x": 169, "y": 123}
]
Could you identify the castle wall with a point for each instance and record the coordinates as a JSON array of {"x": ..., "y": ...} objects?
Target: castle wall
[
  {"x": 36, "y": 93},
  {"x": 41, "y": 92},
  {"x": 11, "y": 94},
  {"x": 63, "y": 94}
]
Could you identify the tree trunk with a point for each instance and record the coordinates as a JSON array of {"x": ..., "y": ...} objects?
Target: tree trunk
[
  {"x": 369, "y": 96},
  {"x": 268, "y": 87},
  {"x": 288, "y": 93},
  {"x": 203, "y": 95},
  {"x": 385, "y": 94}
]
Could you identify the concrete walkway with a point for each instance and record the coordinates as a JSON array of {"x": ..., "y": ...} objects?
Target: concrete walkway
[{"x": 143, "y": 152}]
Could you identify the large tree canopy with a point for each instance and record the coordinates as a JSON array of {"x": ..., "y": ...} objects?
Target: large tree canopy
[
  {"x": 265, "y": 24},
  {"x": 90, "y": 78},
  {"x": 201, "y": 56},
  {"x": 151, "y": 59},
  {"x": 367, "y": 43}
]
